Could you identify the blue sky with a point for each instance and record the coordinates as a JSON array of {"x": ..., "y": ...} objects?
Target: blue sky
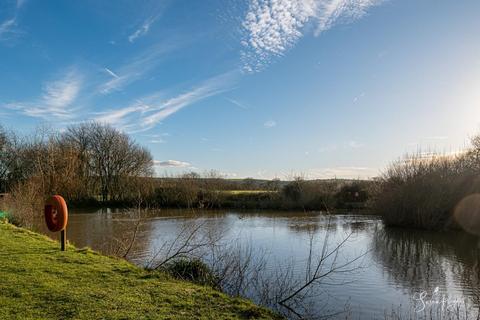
[{"x": 250, "y": 88}]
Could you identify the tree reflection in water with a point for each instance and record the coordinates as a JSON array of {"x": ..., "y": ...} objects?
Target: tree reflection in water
[{"x": 444, "y": 266}]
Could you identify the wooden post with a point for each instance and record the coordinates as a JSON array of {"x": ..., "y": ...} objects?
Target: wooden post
[{"x": 63, "y": 239}]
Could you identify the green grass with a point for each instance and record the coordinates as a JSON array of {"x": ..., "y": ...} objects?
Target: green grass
[
  {"x": 235, "y": 192},
  {"x": 38, "y": 281}
]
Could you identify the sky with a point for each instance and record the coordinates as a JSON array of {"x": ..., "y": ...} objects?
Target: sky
[{"x": 249, "y": 88}]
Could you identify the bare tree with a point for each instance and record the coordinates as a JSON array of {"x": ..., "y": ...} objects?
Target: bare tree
[{"x": 110, "y": 157}]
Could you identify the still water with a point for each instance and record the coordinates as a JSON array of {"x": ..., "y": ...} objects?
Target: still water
[{"x": 403, "y": 273}]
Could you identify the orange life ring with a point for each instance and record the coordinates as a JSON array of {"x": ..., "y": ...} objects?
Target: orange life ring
[{"x": 56, "y": 213}]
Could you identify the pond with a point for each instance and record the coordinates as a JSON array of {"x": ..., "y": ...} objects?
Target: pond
[{"x": 398, "y": 273}]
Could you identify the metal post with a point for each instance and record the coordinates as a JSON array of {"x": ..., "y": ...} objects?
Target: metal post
[{"x": 63, "y": 239}]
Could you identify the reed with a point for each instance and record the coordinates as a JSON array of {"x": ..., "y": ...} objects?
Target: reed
[{"x": 422, "y": 190}]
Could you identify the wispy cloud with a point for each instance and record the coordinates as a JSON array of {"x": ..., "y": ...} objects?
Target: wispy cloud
[
  {"x": 7, "y": 28},
  {"x": 120, "y": 117},
  {"x": 355, "y": 144},
  {"x": 271, "y": 27},
  {"x": 357, "y": 98},
  {"x": 143, "y": 30},
  {"x": 135, "y": 69},
  {"x": 20, "y": 3},
  {"x": 269, "y": 124},
  {"x": 236, "y": 103},
  {"x": 56, "y": 100},
  {"x": 110, "y": 72},
  {"x": 343, "y": 173},
  {"x": 172, "y": 164},
  {"x": 209, "y": 88},
  {"x": 147, "y": 112},
  {"x": 157, "y": 138}
]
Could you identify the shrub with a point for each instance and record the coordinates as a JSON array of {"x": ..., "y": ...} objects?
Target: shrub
[
  {"x": 424, "y": 191},
  {"x": 24, "y": 204},
  {"x": 193, "y": 270},
  {"x": 352, "y": 195},
  {"x": 309, "y": 195}
]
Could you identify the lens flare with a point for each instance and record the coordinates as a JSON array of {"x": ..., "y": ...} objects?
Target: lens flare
[{"x": 467, "y": 213}]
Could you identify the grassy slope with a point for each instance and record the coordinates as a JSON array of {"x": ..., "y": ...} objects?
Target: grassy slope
[{"x": 37, "y": 281}]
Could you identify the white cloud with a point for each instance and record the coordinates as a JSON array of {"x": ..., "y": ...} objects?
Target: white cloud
[
  {"x": 157, "y": 138},
  {"x": 269, "y": 124},
  {"x": 173, "y": 105},
  {"x": 143, "y": 30},
  {"x": 343, "y": 173},
  {"x": 7, "y": 28},
  {"x": 61, "y": 93},
  {"x": 361, "y": 95},
  {"x": 236, "y": 103},
  {"x": 135, "y": 69},
  {"x": 20, "y": 3},
  {"x": 147, "y": 112},
  {"x": 271, "y": 27},
  {"x": 110, "y": 72},
  {"x": 118, "y": 117},
  {"x": 56, "y": 99},
  {"x": 330, "y": 12},
  {"x": 172, "y": 164},
  {"x": 355, "y": 144}
]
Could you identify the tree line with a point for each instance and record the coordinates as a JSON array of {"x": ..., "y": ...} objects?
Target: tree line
[
  {"x": 86, "y": 162},
  {"x": 94, "y": 164}
]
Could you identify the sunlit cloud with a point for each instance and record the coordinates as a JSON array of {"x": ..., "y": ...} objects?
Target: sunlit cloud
[
  {"x": 271, "y": 27},
  {"x": 57, "y": 99},
  {"x": 172, "y": 164}
]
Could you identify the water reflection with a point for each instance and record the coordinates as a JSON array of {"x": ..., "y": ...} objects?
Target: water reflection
[{"x": 444, "y": 263}]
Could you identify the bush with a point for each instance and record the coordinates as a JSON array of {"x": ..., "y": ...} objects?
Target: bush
[
  {"x": 24, "y": 204},
  {"x": 423, "y": 192},
  {"x": 193, "y": 270},
  {"x": 352, "y": 195},
  {"x": 309, "y": 195}
]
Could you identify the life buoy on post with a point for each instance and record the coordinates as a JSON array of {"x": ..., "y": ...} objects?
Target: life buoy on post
[{"x": 56, "y": 217}]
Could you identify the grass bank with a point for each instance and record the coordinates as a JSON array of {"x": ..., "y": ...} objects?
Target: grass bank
[{"x": 40, "y": 282}]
